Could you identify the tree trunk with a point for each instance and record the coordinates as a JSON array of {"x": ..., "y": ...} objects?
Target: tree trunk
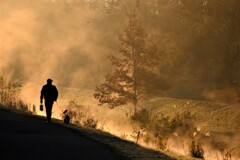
[{"x": 134, "y": 82}]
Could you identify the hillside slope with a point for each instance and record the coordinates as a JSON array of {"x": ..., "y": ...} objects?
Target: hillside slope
[
  {"x": 210, "y": 128},
  {"x": 215, "y": 117}
]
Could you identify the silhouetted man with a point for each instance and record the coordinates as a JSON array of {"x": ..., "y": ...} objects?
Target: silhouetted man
[{"x": 50, "y": 94}]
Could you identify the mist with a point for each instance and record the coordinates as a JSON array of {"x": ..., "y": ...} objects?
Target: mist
[
  {"x": 43, "y": 39},
  {"x": 69, "y": 41},
  {"x": 52, "y": 39}
]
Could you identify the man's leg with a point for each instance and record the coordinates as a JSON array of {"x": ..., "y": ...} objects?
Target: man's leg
[{"x": 49, "y": 105}]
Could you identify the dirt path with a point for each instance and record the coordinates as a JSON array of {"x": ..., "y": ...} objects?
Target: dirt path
[{"x": 28, "y": 138}]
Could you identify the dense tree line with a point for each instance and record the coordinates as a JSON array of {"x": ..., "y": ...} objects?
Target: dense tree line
[
  {"x": 198, "y": 40},
  {"x": 203, "y": 35}
]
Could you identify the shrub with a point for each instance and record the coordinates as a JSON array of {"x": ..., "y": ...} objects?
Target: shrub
[
  {"x": 90, "y": 122},
  {"x": 142, "y": 117},
  {"x": 225, "y": 150},
  {"x": 160, "y": 127},
  {"x": 9, "y": 92},
  {"x": 184, "y": 120},
  {"x": 9, "y": 96},
  {"x": 196, "y": 150},
  {"x": 76, "y": 115},
  {"x": 22, "y": 106}
]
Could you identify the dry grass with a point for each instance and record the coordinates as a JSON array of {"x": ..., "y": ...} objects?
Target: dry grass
[{"x": 214, "y": 123}]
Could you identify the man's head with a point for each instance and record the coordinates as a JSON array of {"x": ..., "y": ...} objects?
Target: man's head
[{"x": 49, "y": 81}]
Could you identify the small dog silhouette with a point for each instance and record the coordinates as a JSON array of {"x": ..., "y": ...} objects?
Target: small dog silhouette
[{"x": 67, "y": 117}]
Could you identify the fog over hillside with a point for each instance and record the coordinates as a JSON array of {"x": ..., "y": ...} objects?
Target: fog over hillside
[{"x": 70, "y": 40}]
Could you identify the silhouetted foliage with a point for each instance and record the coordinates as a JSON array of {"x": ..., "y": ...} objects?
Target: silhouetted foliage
[
  {"x": 159, "y": 127},
  {"x": 76, "y": 115},
  {"x": 196, "y": 150},
  {"x": 9, "y": 92},
  {"x": 90, "y": 122}
]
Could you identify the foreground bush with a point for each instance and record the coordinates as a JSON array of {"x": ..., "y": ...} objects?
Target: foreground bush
[
  {"x": 9, "y": 96},
  {"x": 9, "y": 92},
  {"x": 160, "y": 128},
  {"x": 79, "y": 117}
]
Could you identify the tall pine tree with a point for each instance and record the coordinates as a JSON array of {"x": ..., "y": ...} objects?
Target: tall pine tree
[{"x": 134, "y": 71}]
